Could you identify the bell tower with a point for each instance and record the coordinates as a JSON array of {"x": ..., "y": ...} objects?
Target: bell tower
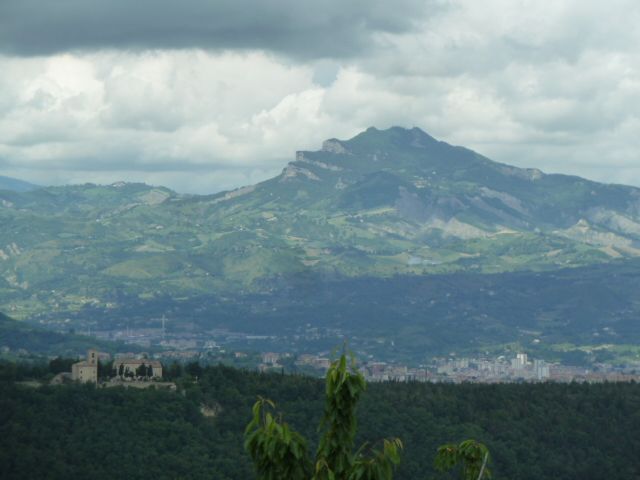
[{"x": 92, "y": 357}]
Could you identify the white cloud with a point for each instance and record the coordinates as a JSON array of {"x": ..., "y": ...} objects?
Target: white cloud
[
  {"x": 553, "y": 85},
  {"x": 148, "y": 112}
]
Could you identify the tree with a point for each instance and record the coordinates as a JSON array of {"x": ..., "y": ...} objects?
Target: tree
[
  {"x": 121, "y": 370},
  {"x": 279, "y": 452},
  {"x": 194, "y": 369},
  {"x": 60, "y": 364},
  {"x": 470, "y": 455},
  {"x": 105, "y": 369},
  {"x": 141, "y": 371},
  {"x": 173, "y": 372}
]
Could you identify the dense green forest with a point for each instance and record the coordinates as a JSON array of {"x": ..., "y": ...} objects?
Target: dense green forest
[{"x": 534, "y": 431}]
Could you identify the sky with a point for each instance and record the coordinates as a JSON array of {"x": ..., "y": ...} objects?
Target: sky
[{"x": 203, "y": 96}]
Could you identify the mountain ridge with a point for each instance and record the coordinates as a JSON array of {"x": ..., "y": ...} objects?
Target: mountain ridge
[{"x": 384, "y": 203}]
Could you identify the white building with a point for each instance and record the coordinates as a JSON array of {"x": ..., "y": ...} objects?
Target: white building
[
  {"x": 270, "y": 358},
  {"x": 541, "y": 369},
  {"x": 520, "y": 362}
]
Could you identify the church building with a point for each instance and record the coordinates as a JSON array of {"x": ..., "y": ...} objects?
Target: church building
[{"x": 87, "y": 370}]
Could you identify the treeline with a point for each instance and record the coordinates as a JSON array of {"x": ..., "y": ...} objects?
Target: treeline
[{"x": 574, "y": 431}]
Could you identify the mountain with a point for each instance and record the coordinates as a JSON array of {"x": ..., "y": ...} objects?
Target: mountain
[
  {"x": 15, "y": 185},
  {"x": 384, "y": 204},
  {"x": 399, "y": 201}
]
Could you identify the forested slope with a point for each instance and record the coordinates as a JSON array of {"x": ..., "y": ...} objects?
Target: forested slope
[{"x": 533, "y": 431}]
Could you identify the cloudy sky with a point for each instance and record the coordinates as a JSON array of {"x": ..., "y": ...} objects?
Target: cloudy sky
[{"x": 204, "y": 95}]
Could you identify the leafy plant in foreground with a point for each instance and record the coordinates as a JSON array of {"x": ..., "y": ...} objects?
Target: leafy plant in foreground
[
  {"x": 472, "y": 456},
  {"x": 278, "y": 452}
]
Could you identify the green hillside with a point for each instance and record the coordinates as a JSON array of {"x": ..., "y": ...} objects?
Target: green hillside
[{"x": 382, "y": 203}]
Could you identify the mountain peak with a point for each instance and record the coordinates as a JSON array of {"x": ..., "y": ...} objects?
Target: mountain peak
[
  {"x": 376, "y": 139},
  {"x": 398, "y": 132},
  {"x": 395, "y": 149}
]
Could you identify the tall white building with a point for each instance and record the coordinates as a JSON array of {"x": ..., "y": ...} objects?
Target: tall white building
[
  {"x": 541, "y": 369},
  {"x": 520, "y": 362}
]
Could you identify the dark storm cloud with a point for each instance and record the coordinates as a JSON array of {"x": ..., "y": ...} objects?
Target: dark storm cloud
[{"x": 299, "y": 28}]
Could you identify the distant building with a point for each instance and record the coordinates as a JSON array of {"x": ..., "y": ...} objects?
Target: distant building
[
  {"x": 541, "y": 368},
  {"x": 87, "y": 370},
  {"x": 130, "y": 367},
  {"x": 322, "y": 363},
  {"x": 305, "y": 359},
  {"x": 270, "y": 358},
  {"x": 520, "y": 362}
]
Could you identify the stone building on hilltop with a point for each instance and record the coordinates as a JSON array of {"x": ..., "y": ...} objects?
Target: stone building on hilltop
[{"x": 87, "y": 370}]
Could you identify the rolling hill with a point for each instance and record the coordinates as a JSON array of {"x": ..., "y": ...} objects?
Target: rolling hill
[
  {"x": 385, "y": 203},
  {"x": 19, "y": 337},
  {"x": 15, "y": 185}
]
